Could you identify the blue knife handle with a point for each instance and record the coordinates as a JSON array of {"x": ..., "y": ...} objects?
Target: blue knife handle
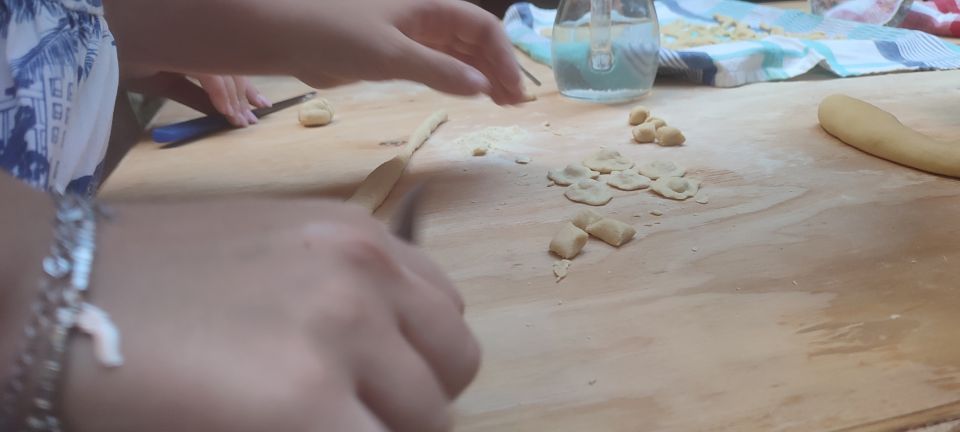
[{"x": 190, "y": 129}]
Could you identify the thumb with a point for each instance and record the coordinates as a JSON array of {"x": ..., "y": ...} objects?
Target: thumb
[{"x": 439, "y": 71}]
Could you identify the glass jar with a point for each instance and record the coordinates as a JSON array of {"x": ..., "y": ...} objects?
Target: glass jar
[{"x": 605, "y": 50}]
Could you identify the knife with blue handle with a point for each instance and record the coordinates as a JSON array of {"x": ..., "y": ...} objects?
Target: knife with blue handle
[{"x": 203, "y": 126}]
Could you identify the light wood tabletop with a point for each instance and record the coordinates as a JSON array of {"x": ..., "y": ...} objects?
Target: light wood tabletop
[{"x": 817, "y": 289}]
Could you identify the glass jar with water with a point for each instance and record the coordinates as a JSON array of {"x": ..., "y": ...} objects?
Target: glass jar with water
[{"x": 605, "y": 50}]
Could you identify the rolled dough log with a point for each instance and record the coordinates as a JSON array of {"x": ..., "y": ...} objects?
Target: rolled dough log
[
  {"x": 377, "y": 186},
  {"x": 879, "y": 133}
]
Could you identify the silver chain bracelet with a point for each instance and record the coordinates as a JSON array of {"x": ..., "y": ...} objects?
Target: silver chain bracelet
[{"x": 28, "y": 401}]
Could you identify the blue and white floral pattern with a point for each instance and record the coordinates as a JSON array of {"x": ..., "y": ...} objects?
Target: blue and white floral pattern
[{"x": 58, "y": 76}]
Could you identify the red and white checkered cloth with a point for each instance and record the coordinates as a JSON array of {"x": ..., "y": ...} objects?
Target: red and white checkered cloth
[{"x": 939, "y": 17}]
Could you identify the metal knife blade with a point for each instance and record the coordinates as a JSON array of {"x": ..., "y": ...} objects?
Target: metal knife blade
[
  {"x": 405, "y": 218},
  {"x": 530, "y": 76},
  {"x": 203, "y": 126},
  {"x": 284, "y": 104}
]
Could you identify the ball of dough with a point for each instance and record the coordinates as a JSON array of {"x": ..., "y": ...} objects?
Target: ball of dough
[
  {"x": 645, "y": 133},
  {"x": 660, "y": 168},
  {"x": 628, "y": 180},
  {"x": 639, "y": 114},
  {"x": 669, "y": 136},
  {"x": 571, "y": 174},
  {"x": 657, "y": 122},
  {"x": 606, "y": 161},
  {"x": 612, "y": 231},
  {"x": 585, "y": 218},
  {"x": 677, "y": 188},
  {"x": 589, "y": 192},
  {"x": 480, "y": 150},
  {"x": 568, "y": 242},
  {"x": 316, "y": 112}
]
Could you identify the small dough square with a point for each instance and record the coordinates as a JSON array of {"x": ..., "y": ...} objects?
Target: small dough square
[
  {"x": 612, "y": 231},
  {"x": 568, "y": 242},
  {"x": 585, "y": 218}
]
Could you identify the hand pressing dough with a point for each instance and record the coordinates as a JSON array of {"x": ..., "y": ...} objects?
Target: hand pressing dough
[
  {"x": 378, "y": 184},
  {"x": 606, "y": 161},
  {"x": 589, "y": 192},
  {"x": 316, "y": 112},
  {"x": 628, "y": 180},
  {"x": 657, "y": 122},
  {"x": 586, "y": 217},
  {"x": 879, "y": 133},
  {"x": 645, "y": 133},
  {"x": 677, "y": 188},
  {"x": 639, "y": 114},
  {"x": 612, "y": 231},
  {"x": 561, "y": 268},
  {"x": 571, "y": 174},
  {"x": 669, "y": 136},
  {"x": 660, "y": 168},
  {"x": 568, "y": 242}
]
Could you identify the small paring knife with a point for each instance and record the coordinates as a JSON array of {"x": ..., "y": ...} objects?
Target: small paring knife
[
  {"x": 405, "y": 218},
  {"x": 530, "y": 76},
  {"x": 203, "y": 126}
]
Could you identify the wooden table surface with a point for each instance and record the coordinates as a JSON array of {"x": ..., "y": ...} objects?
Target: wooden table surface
[{"x": 817, "y": 290}]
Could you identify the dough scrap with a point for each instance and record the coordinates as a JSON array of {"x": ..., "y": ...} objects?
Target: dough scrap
[
  {"x": 702, "y": 198},
  {"x": 645, "y": 133},
  {"x": 683, "y": 34},
  {"x": 589, "y": 192},
  {"x": 523, "y": 160},
  {"x": 661, "y": 168},
  {"x": 656, "y": 212},
  {"x": 571, "y": 174},
  {"x": 879, "y": 133},
  {"x": 669, "y": 136},
  {"x": 568, "y": 242},
  {"x": 677, "y": 188},
  {"x": 628, "y": 180},
  {"x": 606, "y": 161},
  {"x": 657, "y": 122},
  {"x": 561, "y": 268},
  {"x": 377, "y": 186},
  {"x": 585, "y": 217},
  {"x": 639, "y": 115},
  {"x": 482, "y": 141},
  {"x": 612, "y": 231},
  {"x": 315, "y": 112},
  {"x": 480, "y": 150}
]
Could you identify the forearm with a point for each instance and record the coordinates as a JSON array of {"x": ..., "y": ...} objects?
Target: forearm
[
  {"x": 211, "y": 36},
  {"x": 25, "y": 234}
]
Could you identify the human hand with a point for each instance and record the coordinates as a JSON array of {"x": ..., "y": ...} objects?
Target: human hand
[
  {"x": 450, "y": 45},
  {"x": 231, "y": 96},
  {"x": 267, "y": 315}
]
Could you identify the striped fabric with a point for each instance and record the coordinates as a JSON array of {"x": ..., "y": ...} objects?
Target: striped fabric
[{"x": 858, "y": 49}]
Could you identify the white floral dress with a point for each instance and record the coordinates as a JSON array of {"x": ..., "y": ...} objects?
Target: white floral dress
[{"x": 59, "y": 77}]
